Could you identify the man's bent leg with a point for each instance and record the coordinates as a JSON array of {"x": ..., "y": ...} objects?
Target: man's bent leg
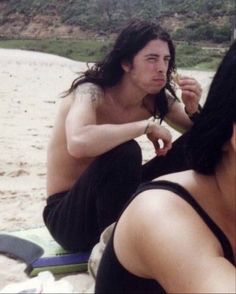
[
  {"x": 96, "y": 199},
  {"x": 119, "y": 183}
]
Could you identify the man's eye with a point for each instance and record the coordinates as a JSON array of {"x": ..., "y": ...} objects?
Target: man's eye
[{"x": 152, "y": 59}]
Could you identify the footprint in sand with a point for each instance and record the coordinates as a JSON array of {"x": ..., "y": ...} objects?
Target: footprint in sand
[
  {"x": 18, "y": 173},
  {"x": 22, "y": 163},
  {"x": 49, "y": 101},
  {"x": 37, "y": 147},
  {"x": 41, "y": 174}
]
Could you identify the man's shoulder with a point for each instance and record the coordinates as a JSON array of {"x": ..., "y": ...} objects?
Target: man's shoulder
[{"x": 89, "y": 90}]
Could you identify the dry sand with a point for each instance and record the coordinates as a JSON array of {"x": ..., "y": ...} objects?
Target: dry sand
[{"x": 31, "y": 83}]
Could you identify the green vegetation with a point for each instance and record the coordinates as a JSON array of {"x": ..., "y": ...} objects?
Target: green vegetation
[
  {"x": 187, "y": 56},
  {"x": 199, "y": 17},
  {"x": 203, "y": 31}
]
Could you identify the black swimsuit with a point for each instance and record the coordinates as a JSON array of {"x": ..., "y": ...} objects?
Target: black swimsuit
[{"x": 112, "y": 277}]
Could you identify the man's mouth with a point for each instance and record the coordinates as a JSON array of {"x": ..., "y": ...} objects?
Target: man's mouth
[{"x": 162, "y": 80}]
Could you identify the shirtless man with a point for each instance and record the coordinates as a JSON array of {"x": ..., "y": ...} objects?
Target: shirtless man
[{"x": 94, "y": 164}]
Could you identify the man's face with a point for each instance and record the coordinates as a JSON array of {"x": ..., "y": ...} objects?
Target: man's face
[{"x": 149, "y": 67}]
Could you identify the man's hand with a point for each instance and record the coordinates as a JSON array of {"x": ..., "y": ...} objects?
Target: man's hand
[
  {"x": 160, "y": 137},
  {"x": 191, "y": 93}
]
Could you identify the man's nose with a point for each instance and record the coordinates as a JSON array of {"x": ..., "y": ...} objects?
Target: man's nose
[{"x": 162, "y": 66}]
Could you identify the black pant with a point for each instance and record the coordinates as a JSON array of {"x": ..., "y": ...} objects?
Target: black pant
[{"x": 77, "y": 217}]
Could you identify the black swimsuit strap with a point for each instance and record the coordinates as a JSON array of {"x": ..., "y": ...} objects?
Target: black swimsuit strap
[{"x": 183, "y": 193}]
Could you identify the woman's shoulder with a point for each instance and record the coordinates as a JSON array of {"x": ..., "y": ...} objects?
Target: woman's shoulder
[{"x": 162, "y": 228}]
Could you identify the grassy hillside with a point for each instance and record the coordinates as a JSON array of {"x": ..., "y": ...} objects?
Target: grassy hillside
[{"x": 192, "y": 20}]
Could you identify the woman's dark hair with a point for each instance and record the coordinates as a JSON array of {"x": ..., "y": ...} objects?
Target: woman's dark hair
[
  {"x": 131, "y": 40},
  {"x": 215, "y": 124}
]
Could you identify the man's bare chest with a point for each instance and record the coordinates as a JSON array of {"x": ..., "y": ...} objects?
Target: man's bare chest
[{"x": 116, "y": 115}]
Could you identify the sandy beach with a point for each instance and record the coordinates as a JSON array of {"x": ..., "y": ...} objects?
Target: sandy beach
[{"x": 31, "y": 84}]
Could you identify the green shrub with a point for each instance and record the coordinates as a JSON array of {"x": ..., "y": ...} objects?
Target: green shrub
[
  {"x": 222, "y": 34},
  {"x": 195, "y": 57},
  {"x": 203, "y": 32}
]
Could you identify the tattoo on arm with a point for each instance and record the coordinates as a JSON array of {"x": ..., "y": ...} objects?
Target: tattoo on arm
[
  {"x": 89, "y": 91},
  {"x": 94, "y": 94}
]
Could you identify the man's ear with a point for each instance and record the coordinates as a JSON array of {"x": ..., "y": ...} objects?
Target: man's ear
[{"x": 126, "y": 65}]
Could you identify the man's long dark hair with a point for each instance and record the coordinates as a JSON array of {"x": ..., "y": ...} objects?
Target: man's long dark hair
[
  {"x": 215, "y": 124},
  {"x": 109, "y": 71}
]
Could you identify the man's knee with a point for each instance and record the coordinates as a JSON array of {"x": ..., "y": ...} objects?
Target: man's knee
[
  {"x": 127, "y": 151},
  {"x": 123, "y": 159}
]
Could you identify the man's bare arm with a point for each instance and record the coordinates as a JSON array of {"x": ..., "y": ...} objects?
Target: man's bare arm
[
  {"x": 87, "y": 138},
  {"x": 177, "y": 118}
]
